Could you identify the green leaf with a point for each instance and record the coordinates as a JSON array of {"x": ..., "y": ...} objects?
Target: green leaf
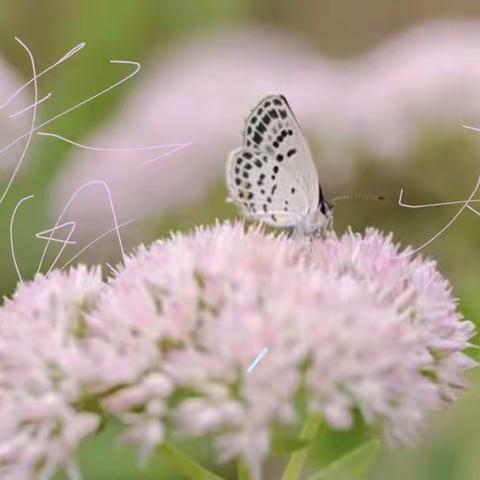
[
  {"x": 289, "y": 444},
  {"x": 185, "y": 465},
  {"x": 351, "y": 466},
  {"x": 297, "y": 459}
]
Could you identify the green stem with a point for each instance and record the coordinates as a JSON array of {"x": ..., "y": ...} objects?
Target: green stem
[
  {"x": 242, "y": 470},
  {"x": 184, "y": 465},
  {"x": 297, "y": 459}
]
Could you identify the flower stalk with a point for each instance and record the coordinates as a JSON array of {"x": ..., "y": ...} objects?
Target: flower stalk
[
  {"x": 298, "y": 458},
  {"x": 243, "y": 470}
]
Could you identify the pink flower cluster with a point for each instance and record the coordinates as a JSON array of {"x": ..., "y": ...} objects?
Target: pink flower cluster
[
  {"x": 45, "y": 373},
  {"x": 166, "y": 345}
]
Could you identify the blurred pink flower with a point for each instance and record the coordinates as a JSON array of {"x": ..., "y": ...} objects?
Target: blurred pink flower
[
  {"x": 344, "y": 319},
  {"x": 424, "y": 78},
  {"x": 377, "y": 103},
  {"x": 201, "y": 94}
]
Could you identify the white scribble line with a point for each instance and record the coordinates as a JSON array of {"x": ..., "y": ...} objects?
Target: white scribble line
[
  {"x": 104, "y": 234},
  {"x": 257, "y": 360},
  {"x": 69, "y": 54},
  {"x": 12, "y": 248},
  {"x": 174, "y": 150},
  {"x": 71, "y": 224},
  {"x": 471, "y": 128},
  {"x": 29, "y": 134},
  {"x": 23, "y": 110},
  {"x": 107, "y": 149},
  {"x": 64, "y": 243},
  {"x": 62, "y": 213},
  {"x": 80, "y": 104},
  {"x": 428, "y": 205},
  {"x": 465, "y": 204}
]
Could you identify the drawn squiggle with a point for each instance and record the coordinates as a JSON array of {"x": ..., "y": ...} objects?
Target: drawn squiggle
[
  {"x": 62, "y": 213},
  {"x": 29, "y": 134},
  {"x": 72, "y": 225},
  {"x": 12, "y": 247},
  {"x": 69, "y": 54},
  {"x": 29, "y": 107},
  {"x": 112, "y": 149},
  {"x": 104, "y": 234},
  {"x": 80, "y": 104},
  {"x": 465, "y": 204}
]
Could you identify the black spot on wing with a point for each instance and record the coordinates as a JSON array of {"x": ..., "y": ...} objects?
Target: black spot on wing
[{"x": 291, "y": 152}]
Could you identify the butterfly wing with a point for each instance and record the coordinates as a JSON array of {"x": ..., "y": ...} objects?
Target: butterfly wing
[
  {"x": 273, "y": 129},
  {"x": 264, "y": 189}
]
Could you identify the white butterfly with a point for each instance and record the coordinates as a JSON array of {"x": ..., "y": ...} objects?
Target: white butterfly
[{"x": 272, "y": 177}]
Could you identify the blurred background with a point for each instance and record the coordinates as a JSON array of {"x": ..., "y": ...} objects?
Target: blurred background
[{"x": 381, "y": 90}]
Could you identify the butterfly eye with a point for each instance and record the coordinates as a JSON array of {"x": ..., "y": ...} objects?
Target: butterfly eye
[{"x": 325, "y": 206}]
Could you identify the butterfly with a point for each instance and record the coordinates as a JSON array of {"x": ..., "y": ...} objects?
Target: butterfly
[{"x": 273, "y": 178}]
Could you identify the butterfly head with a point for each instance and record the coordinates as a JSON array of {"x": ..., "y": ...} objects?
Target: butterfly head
[
  {"x": 326, "y": 207},
  {"x": 316, "y": 223},
  {"x": 326, "y": 210}
]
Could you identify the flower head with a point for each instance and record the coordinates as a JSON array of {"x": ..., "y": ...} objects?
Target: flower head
[
  {"x": 45, "y": 373},
  {"x": 346, "y": 320},
  {"x": 349, "y": 324}
]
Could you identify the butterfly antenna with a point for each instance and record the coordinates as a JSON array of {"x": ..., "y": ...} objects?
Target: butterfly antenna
[{"x": 356, "y": 197}]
